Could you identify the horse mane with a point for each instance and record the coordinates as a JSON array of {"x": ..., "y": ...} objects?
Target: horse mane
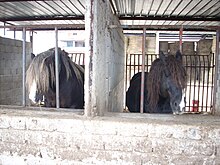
[
  {"x": 33, "y": 72},
  {"x": 155, "y": 74},
  {"x": 42, "y": 69}
]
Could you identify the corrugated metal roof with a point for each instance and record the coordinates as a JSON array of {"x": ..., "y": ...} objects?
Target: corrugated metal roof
[
  {"x": 189, "y": 13},
  {"x": 193, "y": 13},
  {"x": 42, "y": 12}
]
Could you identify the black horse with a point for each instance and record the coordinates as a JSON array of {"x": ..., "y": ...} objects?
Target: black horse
[
  {"x": 41, "y": 80},
  {"x": 163, "y": 88}
]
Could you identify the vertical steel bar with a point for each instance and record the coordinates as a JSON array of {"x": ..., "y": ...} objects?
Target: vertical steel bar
[
  {"x": 57, "y": 69},
  {"x": 212, "y": 81},
  {"x": 31, "y": 40},
  {"x": 203, "y": 82},
  {"x": 83, "y": 58},
  {"x": 130, "y": 57},
  {"x": 4, "y": 29},
  {"x": 157, "y": 49},
  {"x": 126, "y": 72},
  {"x": 14, "y": 34},
  {"x": 24, "y": 67},
  {"x": 216, "y": 71},
  {"x": 181, "y": 39},
  {"x": 135, "y": 55},
  {"x": 207, "y": 81},
  {"x": 143, "y": 71}
]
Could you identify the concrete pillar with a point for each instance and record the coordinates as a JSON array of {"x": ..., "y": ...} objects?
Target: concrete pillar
[{"x": 104, "y": 59}]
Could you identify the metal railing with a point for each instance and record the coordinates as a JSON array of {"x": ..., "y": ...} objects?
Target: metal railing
[
  {"x": 200, "y": 74},
  {"x": 78, "y": 58}
]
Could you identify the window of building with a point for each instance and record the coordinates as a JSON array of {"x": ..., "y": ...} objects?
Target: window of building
[{"x": 69, "y": 43}]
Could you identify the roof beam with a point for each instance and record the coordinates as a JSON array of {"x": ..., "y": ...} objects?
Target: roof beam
[
  {"x": 43, "y": 18},
  {"x": 170, "y": 27},
  {"x": 45, "y": 27},
  {"x": 171, "y": 18}
]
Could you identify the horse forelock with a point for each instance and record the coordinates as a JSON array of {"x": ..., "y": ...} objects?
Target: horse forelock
[
  {"x": 156, "y": 72},
  {"x": 38, "y": 72},
  {"x": 177, "y": 71}
]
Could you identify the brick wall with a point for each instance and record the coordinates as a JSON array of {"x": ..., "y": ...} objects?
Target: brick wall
[
  {"x": 11, "y": 71},
  {"x": 66, "y": 138}
]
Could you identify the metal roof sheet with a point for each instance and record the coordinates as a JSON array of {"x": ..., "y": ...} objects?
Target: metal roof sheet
[{"x": 166, "y": 13}]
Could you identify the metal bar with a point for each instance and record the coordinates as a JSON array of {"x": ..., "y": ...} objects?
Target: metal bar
[
  {"x": 4, "y": 29},
  {"x": 83, "y": 58},
  {"x": 126, "y": 74},
  {"x": 113, "y": 7},
  {"x": 130, "y": 55},
  {"x": 125, "y": 27},
  {"x": 171, "y": 18},
  {"x": 44, "y": 26},
  {"x": 203, "y": 82},
  {"x": 187, "y": 5},
  {"x": 212, "y": 82},
  {"x": 216, "y": 71},
  {"x": 207, "y": 80},
  {"x": 143, "y": 71},
  {"x": 31, "y": 40},
  {"x": 45, "y": 18},
  {"x": 57, "y": 69},
  {"x": 149, "y": 8},
  {"x": 24, "y": 68},
  {"x": 181, "y": 39},
  {"x": 207, "y": 2}
]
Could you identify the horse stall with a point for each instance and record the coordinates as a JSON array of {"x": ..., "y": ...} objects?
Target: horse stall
[
  {"x": 199, "y": 65},
  {"x": 101, "y": 133}
]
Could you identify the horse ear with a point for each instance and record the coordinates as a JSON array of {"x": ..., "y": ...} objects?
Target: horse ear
[
  {"x": 178, "y": 55},
  {"x": 162, "y": 56},
  {"x": 32, "y": 56}
]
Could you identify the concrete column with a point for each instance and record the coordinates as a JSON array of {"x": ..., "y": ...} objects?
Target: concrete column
[{"x": 104, "y": 78}]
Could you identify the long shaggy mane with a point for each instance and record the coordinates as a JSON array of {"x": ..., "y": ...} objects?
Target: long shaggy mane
[
  {"x": 156, "y": 72},
  {"x": 42, "y": 69}
]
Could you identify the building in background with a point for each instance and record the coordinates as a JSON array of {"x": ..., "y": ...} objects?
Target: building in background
[{"x": 71, "y": 41}]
